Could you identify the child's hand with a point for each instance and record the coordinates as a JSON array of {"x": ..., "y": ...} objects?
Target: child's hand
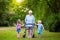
[{"x": 43, "y": 29}]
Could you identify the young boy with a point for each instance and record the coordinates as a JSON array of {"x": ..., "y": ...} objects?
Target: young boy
[
  {"x": 18, "y": 28},
  {"x": 40, "y": 28}
]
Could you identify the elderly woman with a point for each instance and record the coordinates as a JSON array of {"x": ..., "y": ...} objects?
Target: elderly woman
[{"x": 29, "y": 23}]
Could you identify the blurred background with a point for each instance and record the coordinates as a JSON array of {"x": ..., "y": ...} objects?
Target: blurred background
[{"x": 46, "y": 10}]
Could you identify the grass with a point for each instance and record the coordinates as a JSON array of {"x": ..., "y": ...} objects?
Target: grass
[{"x": 11, "y": 33}]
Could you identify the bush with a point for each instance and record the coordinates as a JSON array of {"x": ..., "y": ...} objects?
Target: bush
[{"x": 5, "y": 23}]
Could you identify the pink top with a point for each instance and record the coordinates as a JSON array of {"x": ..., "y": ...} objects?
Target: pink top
[{"x": 19, "y": 26}]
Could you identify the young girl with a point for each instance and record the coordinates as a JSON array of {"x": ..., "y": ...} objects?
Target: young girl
[
  {"x": 40, "y": 28},
  {"x": 18, "y": 28}
]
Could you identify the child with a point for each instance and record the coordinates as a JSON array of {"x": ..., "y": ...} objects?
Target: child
[
  {"x": 18, "y": 28},
  {"x": 40, "y": 28}
]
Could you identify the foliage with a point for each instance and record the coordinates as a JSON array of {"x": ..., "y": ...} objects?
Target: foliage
[{"x": 46, "y": 10}]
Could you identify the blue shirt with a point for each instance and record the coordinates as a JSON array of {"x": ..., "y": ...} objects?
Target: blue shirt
[
  {"x": 29, "y": 19},
  {"x": 40, "y": 26}
]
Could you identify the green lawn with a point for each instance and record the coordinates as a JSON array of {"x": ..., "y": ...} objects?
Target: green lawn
[{"x": 10, "y": 34}]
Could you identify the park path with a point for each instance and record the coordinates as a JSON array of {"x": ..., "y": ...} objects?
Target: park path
[{"x": 7, "y": 28}]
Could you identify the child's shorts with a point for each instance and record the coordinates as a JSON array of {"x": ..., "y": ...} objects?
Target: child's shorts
[
  {"x": 39, "y": 31},
  {"x": 18, "y": 30}
]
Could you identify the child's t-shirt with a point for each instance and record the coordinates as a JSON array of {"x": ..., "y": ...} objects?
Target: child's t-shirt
[
  {"x": 18, "y": 26},
  {"x": 40, "y": 26}
]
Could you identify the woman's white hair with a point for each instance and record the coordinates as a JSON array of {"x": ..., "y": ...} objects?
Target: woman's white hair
[{"x": 30, "y": 11}]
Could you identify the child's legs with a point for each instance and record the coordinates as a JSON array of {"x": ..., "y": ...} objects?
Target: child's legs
[
  {"x": 18, "y": 35},
  {"x": 39, "y": 33}
]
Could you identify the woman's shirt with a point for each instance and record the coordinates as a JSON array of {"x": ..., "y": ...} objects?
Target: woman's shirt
[{"x": 29, "y": 20}]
